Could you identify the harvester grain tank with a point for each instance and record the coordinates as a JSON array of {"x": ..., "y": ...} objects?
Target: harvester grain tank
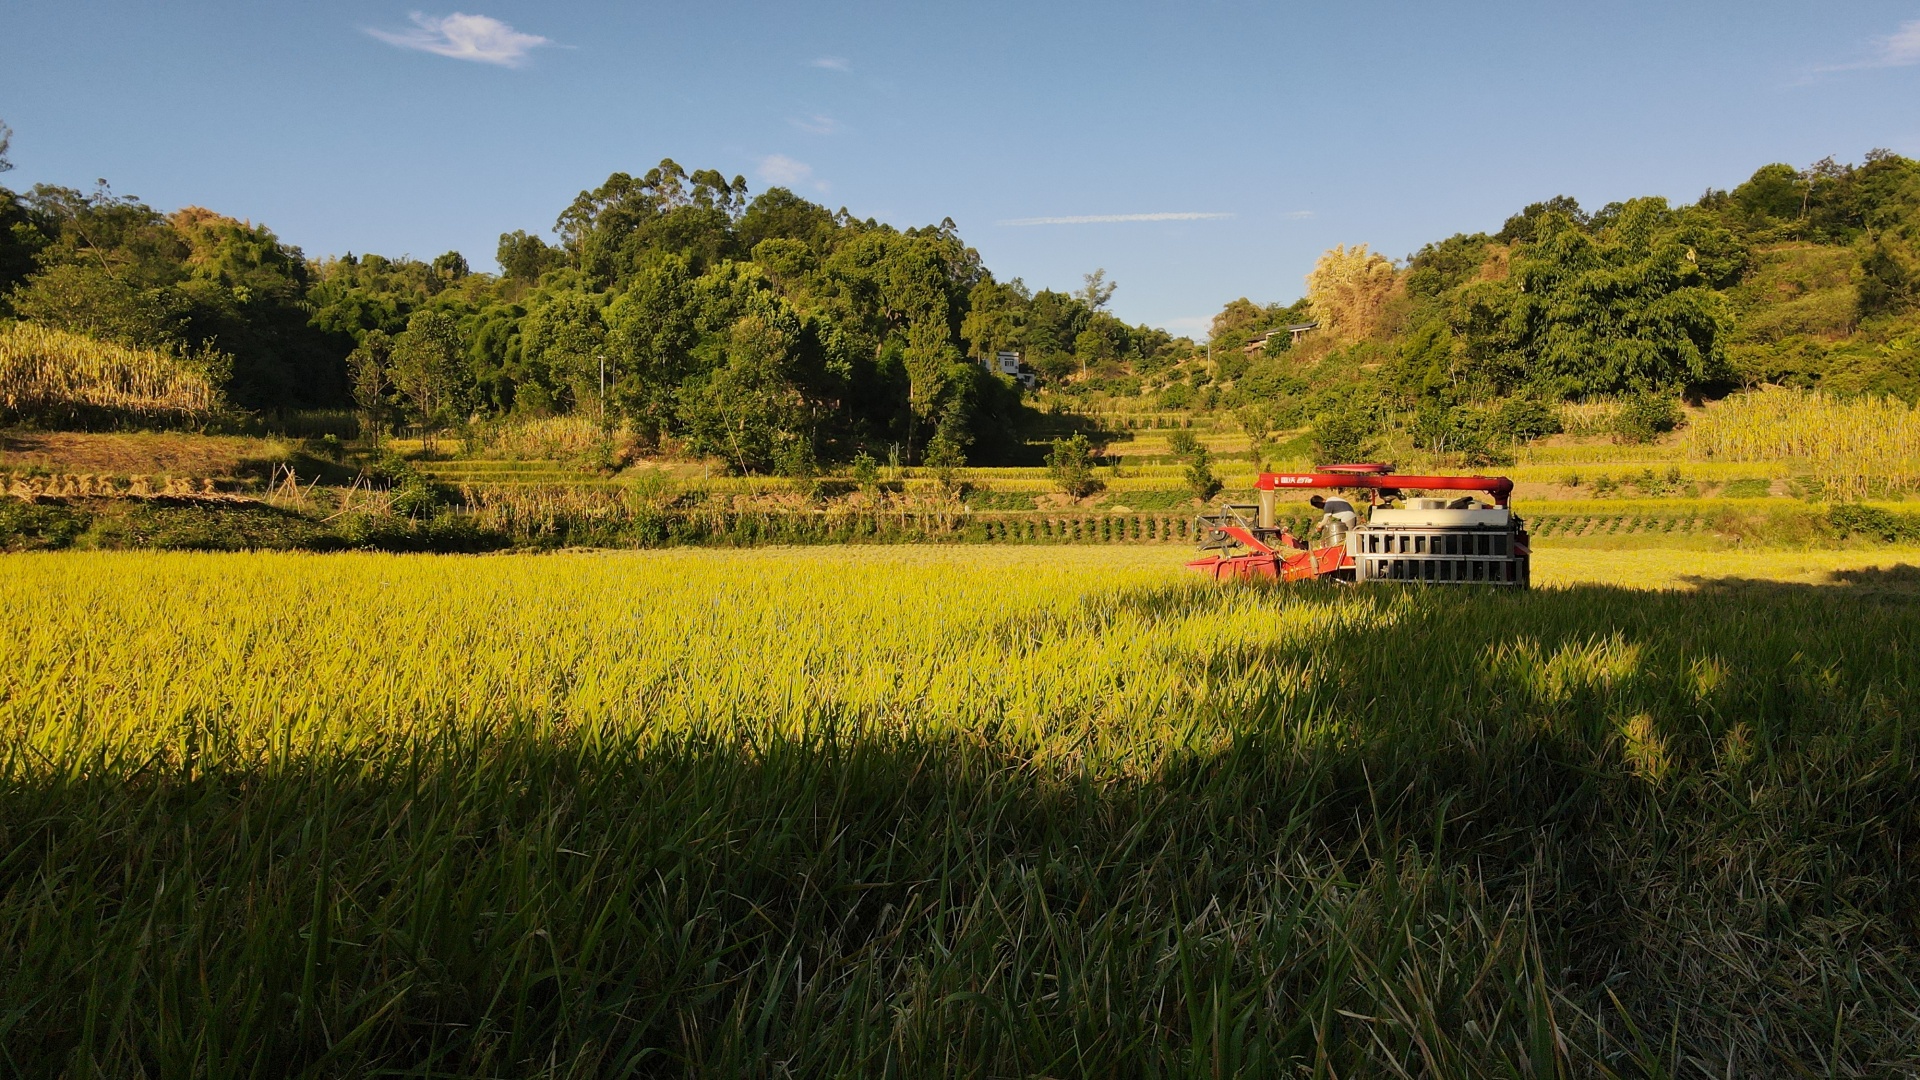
[{"x": 1439, "y": 541}]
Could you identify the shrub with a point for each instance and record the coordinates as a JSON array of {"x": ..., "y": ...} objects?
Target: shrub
[
  {"x": 1199, "y": 475},
  {"x": 1873, "y": 523},
  {"x": 1645, "y": 417},
  {"x": 1523, "y": 419},
  {"x": 1070, "y": 464},
  {"x": 413, "y": 494},
  {"x": 944, "y": 459},
  {"x": 1343, "y": 435}
]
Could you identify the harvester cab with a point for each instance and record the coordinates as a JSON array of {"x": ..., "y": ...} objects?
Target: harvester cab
[{"x": 1431, "y": 540}]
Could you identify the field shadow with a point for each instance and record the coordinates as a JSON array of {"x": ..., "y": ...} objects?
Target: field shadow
[
  {"x": 1900, "y": 582},
  {"x": 1456, "y": 836}
]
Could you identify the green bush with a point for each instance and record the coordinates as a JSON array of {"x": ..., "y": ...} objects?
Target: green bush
[
  {"x": 1343, "y": 435},
  {"x": 1646, "y": 417},
  {"x": 1199, "y": 475},
  {"x": 1070, "y": 464},
  {"x": 1873, "y": 523},
  {"x": 1523, "y": 419}
]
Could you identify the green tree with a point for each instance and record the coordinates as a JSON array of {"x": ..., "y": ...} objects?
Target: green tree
[
  {"x": 1629, "y": 305},
  {"x": 1070, "y": 465},
  {"x": 946, "y": 455},
  {"x": 370, "y": 365},
  {"x": 750, "y": 408},
  {"x": 995, "y": 319},
  {"x": 778, "y": 213},
  {"x": 612, "y": 230},
  {"x": 451, "y": 267},
  {"x": 523, "y": 257},
  {"x": 427, "y": 369},
  {"x": 1097, "y": 290},
  {"x": 1199, "y": 474},
  {"x": 651, "y": 332},
  {"x": 866, "y": 471},
  {"x": 561, "y": 345},
  {"x": 1256, "y": 421},
  {"x": 1344, "y": 434},
  {"x": 92, "y": 300},
  {"x": 937, "y": 375}
]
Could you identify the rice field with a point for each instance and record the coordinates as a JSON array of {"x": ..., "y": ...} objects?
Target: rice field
[{"x": 953, "y": 811}]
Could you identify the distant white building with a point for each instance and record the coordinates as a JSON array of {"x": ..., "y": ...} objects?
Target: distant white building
[{"x": 1008, "y": 363}]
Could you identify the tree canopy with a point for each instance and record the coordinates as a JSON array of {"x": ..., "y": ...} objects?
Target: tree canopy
[
  {"x": 764, "y": 329},
  {"x": 777, "y": 335}
]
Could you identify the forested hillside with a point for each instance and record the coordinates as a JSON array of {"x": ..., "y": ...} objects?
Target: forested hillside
[
  {"x": 778, "y": 336},
  {"x": 1804, "y": 278},
  {"x": 766, "y": 331}
]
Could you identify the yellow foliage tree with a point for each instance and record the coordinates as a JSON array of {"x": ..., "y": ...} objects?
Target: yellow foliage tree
[{"x": 1349, "y": 289}]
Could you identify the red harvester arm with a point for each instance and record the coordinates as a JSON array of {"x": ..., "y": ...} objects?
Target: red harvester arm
[{"x": 1376, "y": 477}]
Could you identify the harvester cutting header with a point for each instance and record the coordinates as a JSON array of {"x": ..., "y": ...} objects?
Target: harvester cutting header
[{"x": 1458, "y": 540}]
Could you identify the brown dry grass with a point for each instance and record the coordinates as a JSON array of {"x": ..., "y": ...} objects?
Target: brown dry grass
[{"x": 138, "y": 453}]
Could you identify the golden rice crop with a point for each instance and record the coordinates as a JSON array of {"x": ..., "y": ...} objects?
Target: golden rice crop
[
  {"x": 1853, "y": 446},
  {"x": 46, "y": 370},
  {"x": 699, "y": 644},
  {"x": 956, "y": 811}
]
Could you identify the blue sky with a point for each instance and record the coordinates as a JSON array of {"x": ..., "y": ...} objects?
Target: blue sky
[{"x": 362, "y": 126}]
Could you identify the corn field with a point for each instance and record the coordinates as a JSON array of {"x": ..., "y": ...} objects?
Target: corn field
[
  {"x": 935, "y": 812},
  {"x": 1597, "y": 417},
  {"x": 1853, "y": 447},
  {"x": 552, "y": 438},
  {"x": 46, "y": 372}
]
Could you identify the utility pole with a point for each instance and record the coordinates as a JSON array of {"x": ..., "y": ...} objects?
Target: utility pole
[{"x": 601, "y": 359}]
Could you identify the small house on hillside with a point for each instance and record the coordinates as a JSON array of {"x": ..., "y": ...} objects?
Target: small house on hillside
[
  {"x": 1008, "y": 363},
  {"x": 1294, "y": 332}
]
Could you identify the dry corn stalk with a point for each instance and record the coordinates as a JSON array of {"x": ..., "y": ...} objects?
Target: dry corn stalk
[
  {"x": 1854, "y": 448},
  {"x": 43, "y": 368}
]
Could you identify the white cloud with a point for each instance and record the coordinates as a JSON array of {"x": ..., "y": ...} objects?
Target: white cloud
[
  {"x": 1102, "y": 219},
  {"x": 480, "y": 38},
  {"x": 1898, "y": 49},
  {"x": 1298, "y": 215},
  {"x": 781, "y": 169},
  {"x": 832, "y": 63},
  {"x": 816, "y": 124},
  {"x": 1188, "y": 322}
]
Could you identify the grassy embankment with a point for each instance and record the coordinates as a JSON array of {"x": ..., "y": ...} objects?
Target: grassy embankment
[{"x": 815, "y": 811}]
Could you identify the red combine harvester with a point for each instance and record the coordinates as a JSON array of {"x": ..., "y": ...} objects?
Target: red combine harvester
[{"x": 1436, "y": 541}]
